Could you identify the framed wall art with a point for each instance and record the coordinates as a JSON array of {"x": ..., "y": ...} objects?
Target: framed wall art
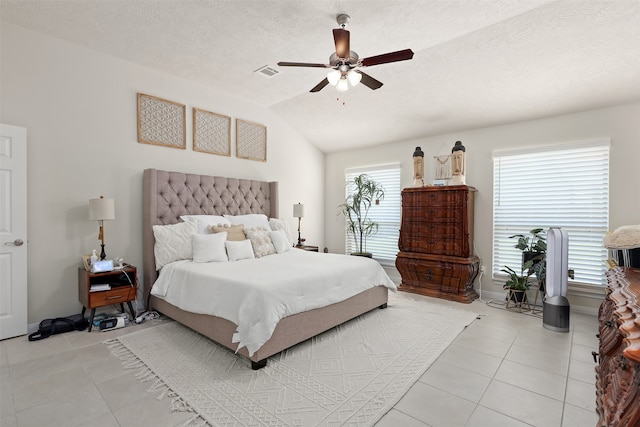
[
  {"x": 211, "y": 132},
  {"x": 251, "y": 140},
  {"x": 161, "y": 122}
]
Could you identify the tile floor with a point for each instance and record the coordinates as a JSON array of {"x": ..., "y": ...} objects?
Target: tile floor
[{"x": 503, "y": 370}]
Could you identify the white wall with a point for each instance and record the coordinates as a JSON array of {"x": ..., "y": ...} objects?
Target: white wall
[
  {"x": 619, "y": 123},
  {"x": 79, "y": 107}
]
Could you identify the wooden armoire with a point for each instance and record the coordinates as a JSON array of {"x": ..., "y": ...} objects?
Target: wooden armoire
[
  {"x": 618, "y": 370},
  {"x": 436, "y": 242}
]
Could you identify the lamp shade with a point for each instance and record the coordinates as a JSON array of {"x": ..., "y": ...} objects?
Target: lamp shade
[
  {"x": 354, "y": 77},
  {"x": 298, "y": 210},
  {"x": 333, "y": 76},
  {"x": 342, "y": 85},
  {"x": 100, "y": 209}
]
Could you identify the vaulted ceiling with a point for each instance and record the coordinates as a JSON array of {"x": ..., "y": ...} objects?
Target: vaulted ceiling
[{"x": 476, "y": 63}]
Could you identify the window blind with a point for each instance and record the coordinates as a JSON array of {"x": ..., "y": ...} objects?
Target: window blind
[
  {"x": 563, "y": 186},
  {"x": 384, "y": 244}
]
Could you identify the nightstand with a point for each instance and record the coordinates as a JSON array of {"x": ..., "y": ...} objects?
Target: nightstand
[
  {"x": 121, "y": 286},
  {"x": 307, "y": 248}
]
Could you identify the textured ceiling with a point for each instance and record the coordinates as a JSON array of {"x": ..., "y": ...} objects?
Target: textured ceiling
[{"x": 477, "y": 63}]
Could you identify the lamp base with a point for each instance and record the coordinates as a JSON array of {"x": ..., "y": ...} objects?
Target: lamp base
[{"x": 103, "y": 255}]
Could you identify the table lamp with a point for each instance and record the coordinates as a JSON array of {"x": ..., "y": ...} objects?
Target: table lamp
[
  {"x": 99, "y": 210},
  {"x": 298, "y": 212}
]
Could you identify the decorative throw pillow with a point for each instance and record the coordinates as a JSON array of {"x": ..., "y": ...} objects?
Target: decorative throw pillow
[
  {"x": 204, "y": 221},
  {"x": 250, "y": 220},
  {"x": 279, "y": 224},
  {"x": 280, "y": 241},
  {"x": 238, "y": 250},
  {"x": 209, "y": 247},
  {"x": 173, "y": 242},
  {"x": 234, "y": 232},
  {"x": 261, "y": 241}
]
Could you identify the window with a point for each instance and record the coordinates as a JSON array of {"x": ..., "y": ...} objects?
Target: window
[
  {"x": 384, "y": 244},
  {"x": 563, "y": 186}
]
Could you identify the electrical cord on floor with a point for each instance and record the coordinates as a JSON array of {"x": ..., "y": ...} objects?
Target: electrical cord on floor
[
  {"x": 480, "y": 282},
  {"x": 482, "y": 271},
  {"x": 502, "y": 305}
]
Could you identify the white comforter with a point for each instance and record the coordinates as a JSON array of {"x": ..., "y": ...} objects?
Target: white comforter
[{"x": 255, "y": 294}]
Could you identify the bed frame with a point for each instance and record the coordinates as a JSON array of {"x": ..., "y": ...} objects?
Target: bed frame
[{"x": 168, "y": 195}]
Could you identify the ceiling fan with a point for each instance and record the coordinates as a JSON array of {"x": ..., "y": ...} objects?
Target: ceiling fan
[{"x": 344, "y": 62}]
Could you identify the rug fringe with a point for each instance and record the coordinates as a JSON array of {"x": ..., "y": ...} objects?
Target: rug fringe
[
  {"x": 179, "y": 405},
  {"x": 145, "y": 375},
  {"x": 194, "y": 421},
  {"x": 176, "y": 404},
  {"x": 215, "y": 388}
]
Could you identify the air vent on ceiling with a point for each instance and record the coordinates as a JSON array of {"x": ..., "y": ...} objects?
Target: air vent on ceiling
[{"x": 267, "y": 71}]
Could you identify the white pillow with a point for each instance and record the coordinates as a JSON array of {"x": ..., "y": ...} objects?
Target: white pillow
[
  {"x": 279, "y": 224},
  {"x": 173, "y": 242},
  {"x": 250, "y": 220},
  {"x": 238, "y": 250},
  {"x": 204, "y": 221},
  {"x": 260, "y": 241},
  {"x": 209, "y": 247},
  {"x": 280, "y": 241}
]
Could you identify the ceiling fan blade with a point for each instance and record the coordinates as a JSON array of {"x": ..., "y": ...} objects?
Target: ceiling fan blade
[
  {"x": 320, "y": 86},
  {"x": 341, "y": 38},
  {"x": 369, "y": 81},
  {"x": 401, "y": 55},
  {"x": 302, "y": 64}
]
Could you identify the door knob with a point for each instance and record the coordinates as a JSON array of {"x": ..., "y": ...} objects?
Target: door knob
[{"x": 17, "y": 242}]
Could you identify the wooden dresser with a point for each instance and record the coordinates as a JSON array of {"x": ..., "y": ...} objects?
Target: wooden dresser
[
  {"x": 436, "y": 242},
  {"x": 618, "y": 373}
]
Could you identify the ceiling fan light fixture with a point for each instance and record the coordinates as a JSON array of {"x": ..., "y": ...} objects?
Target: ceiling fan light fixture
[
  {"x": 343, "y": 61},
  {"x": 342, "y": 85},
  {"x": 354, "y": 77},
  {"x": 334, "y": 76}
]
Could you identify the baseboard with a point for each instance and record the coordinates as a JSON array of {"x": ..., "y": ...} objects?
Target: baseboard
[
  {"x": 584, "y": 310},
  {"x": 32, "y": 327},
  {"x": 487, "y": 296},
  {"x": 138, "y": 307}
]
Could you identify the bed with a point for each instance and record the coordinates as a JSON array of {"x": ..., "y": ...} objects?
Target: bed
[{"x": 169, "y": 195}]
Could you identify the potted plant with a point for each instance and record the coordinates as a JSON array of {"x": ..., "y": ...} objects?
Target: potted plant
[
  {"x": 364, "y": 193},
  {"x": 533, "y": 246},
  {"x": 534, "y": 249},
  {"x": 517, "y": 284}
]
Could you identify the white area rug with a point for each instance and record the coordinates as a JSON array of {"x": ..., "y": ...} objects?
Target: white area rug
[{"x": 351, "y": 375}]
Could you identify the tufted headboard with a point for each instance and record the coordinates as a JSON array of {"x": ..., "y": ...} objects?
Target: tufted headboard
[{"x": 168, "y": 195}]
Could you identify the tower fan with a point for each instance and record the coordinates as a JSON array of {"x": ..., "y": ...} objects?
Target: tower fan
[{"x": 555, "y": 307}]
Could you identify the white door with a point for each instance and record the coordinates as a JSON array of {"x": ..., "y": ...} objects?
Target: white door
[{"x": 13, "y": 231}]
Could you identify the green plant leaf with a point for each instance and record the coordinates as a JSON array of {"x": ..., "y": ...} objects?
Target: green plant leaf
[{"x": 364, "y": 192}]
